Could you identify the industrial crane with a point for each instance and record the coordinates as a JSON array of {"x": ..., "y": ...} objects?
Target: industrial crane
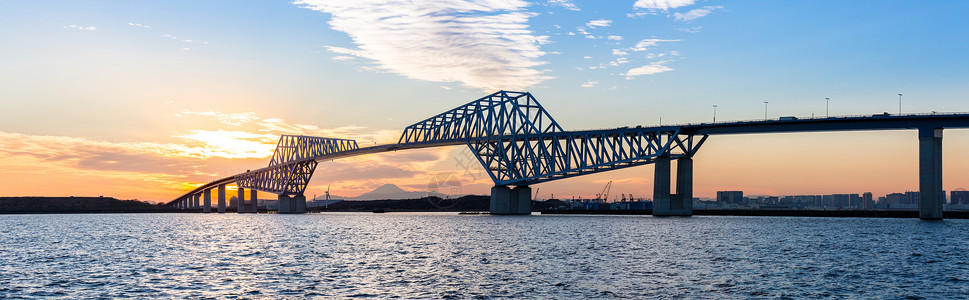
[
  {"x": 327, "y": 202},
  {"x": 604, "y": 195}
]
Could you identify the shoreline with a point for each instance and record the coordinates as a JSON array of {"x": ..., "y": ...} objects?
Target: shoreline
[{"x": 773, "y": 213}]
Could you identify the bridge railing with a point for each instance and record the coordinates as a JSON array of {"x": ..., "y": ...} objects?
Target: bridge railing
[{"x": 800, "y": 118}]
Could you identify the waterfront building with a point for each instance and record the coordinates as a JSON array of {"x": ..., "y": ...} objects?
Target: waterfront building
[
  {"x": 911, "y": 197},
  {"x": 959, "y": 197},
  {"x": 733, "y": 197},
  {"x": 866, "y": 201}
]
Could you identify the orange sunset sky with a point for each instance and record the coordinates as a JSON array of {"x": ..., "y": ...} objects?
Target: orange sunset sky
[{"x": 146, "y": 100}]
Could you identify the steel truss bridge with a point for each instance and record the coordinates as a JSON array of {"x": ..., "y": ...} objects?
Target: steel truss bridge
[{"x": 519, "y": 143}]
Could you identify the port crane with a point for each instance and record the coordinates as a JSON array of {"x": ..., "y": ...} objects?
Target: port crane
[
  {"x": 604, "y": 195},
  {"x": 327, "y": 202}
]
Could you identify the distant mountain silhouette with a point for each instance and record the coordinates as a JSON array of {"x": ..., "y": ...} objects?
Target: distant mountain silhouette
[{"x": 391, "y": 191}]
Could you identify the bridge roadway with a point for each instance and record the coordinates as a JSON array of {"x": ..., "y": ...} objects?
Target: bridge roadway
[{"x": 518, "y": 158}]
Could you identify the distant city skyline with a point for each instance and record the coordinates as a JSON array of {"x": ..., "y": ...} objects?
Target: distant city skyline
[{"x": 145, "y": 100}]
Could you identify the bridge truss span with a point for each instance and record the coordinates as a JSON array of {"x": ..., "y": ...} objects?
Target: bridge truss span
[
  {"x": 531, "y": 159},
  {"x": 293, "y": 164},
  {"x": 500, "y": 114},
  {"x": 292, "y": 148}
]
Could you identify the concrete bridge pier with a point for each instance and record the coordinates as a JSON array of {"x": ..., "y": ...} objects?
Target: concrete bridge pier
[
  {"x": 665, "y": 203},
  {"x": 195, "y": 201},
  {"x": 931, "y": 196},
  {"x": 511, "y": 201},
  {"x": 292, "y": 204},
  {"x": 221, "y": 198},
  {"x": 207, "y": 201},
  {"x": 241, "y": 200},
  {"x": 248, "y": 206}
]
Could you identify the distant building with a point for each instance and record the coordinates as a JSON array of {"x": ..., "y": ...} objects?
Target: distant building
[
  {"x": 840, "y": 200},
  {"x": 959, "y": 197},
  {"x": 807, "y": 200},
  {"x": 735, "y": 197},
  {"x": 866, "y": 201},
  {"x": 911, "y": 197},
  {"x": 894, "y": 198}
]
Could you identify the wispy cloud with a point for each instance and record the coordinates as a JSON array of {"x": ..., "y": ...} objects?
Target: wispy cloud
[
  {"x": 138, "y": 25},
  {"x": 651, "y": 68},
  {"x": 662, "y": 4},
  {"x": 615, "y": 37},
  {"x": 85, "y": 28},
  {"x": 234, "y": 119},
  {"x": 479, "y": 43},
  {"x": 695, "y": 13},
  {"x": 645, "y": 44},
  {"x": 590, "y": 83},
  {"x": 567, "y": 4},
  {"x": 598, "y": 23}
]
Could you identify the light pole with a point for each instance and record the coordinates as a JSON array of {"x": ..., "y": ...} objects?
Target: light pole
[
  {"x": 899, "y": 103},
  {"x": 714, "y": 113},
  {"x": 765, "y": 110},
  {"x": 827, "y": 103}
]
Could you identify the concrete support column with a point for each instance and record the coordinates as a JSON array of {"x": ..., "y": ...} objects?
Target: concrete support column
[
  {"x": 521, "y": 200},
  {"x": 299, "y": 204},
  {"x": 683, "y": 202},
  {"x": 195, "y": 200},
  {"x": 285, "y": 205},
  {"x": 207, "y": 201},
  {"x": 240, "y": 200},
  {"x": 500, "y": 200},
  {"x": 931, "y": 196},
  {"x": 292, "y": 205},
  {"x": 253, "y": 205},
  {"x": 222, "y": 198},
  {"x": 508, "y": 201},
  {"x": 661, "y": 186}
]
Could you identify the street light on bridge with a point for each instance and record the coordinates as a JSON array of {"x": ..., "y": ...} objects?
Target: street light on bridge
[
  {"x": 899, "y": 103},
  {"x": 827, "y": 103},
  {"x": 765, "y": 110},
  {"x": 714, "y": 113}
]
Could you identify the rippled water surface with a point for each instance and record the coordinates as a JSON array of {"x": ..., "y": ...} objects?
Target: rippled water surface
[{"x": 451, "y": 256}]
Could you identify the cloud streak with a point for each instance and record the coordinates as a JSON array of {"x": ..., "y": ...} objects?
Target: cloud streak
[
  {"x": 651, "y": 68},
  {"x": 85, "y": 28},
  {"x": 662, "y": 4},
  {"x": 483, "y": 44},
  {"x": 695, "y": 13},
  {"x": 598, "y": 23},
  {"x": 567, "y": 4}
]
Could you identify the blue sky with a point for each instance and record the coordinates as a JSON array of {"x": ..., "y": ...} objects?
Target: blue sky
[{"x": 139, "y": 75}]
